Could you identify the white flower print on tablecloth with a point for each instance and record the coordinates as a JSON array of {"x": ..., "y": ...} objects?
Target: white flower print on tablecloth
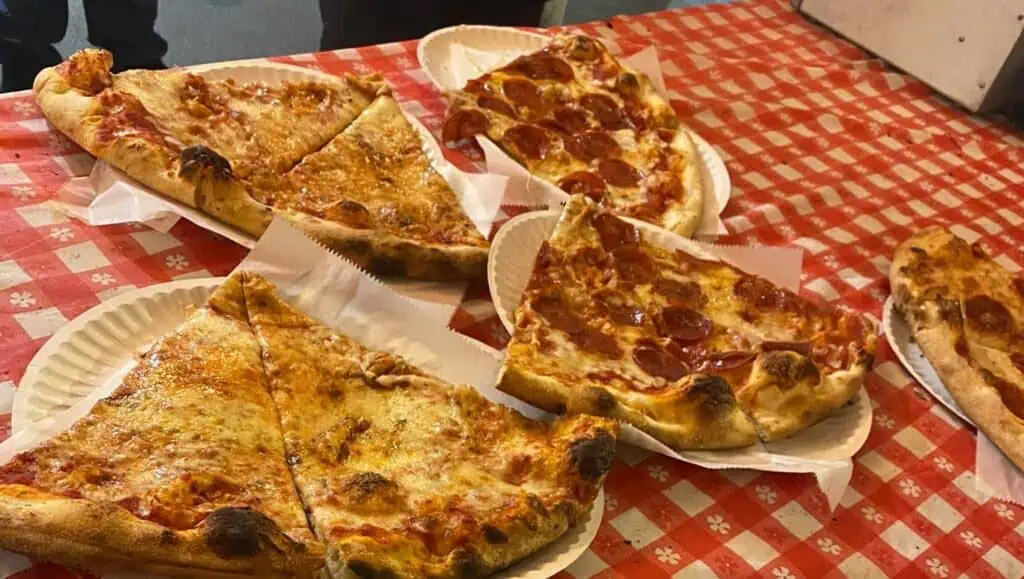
[
  {"x": 970, "y": 539},
  {"x": 667, "y": 555},
  {"x": 718, "y": 524},
  {"x": 766, "y": 494},
  {"x": 937, "y": 568},
  {"x": 176, "y": 261},
  {"x": 103, "y": 278},
  {"x": 62, "y": 233},
  {"x": 827, "y": 545},
  {"x": 22, "y": 299}
]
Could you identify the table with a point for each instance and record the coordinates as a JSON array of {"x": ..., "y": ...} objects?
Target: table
[{"x": 829, "y": 150}]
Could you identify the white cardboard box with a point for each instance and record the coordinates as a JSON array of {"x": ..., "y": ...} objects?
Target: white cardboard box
[{"x": 972, "y": 51}]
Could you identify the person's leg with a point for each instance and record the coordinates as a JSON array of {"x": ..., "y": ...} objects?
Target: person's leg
[
  {"x": 28, "y": 31},
  {"x": 125, "y": 28},
  {"x": 521, "y": 13}
]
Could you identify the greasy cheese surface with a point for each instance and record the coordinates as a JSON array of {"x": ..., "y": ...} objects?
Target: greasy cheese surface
[
  {"x": 398, "y": 467},
  {"x": 375, "y": 175},
  {"x": 604, "y": 308},
  {"x": 190, "y": 430},
  {"x": 255, "y": 126}
]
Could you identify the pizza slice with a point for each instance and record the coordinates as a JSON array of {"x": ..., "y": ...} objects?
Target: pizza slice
[
  {"x": 685, "y": 349},
  {"x": 374, "y": 196},
  {"x": 966, "y": 312},
  {"x": 576, "y": 117},
  {"x": 239, "y": 153},
  {"x": 180, "y": 471},
  {"x": 407, "y": 476}
]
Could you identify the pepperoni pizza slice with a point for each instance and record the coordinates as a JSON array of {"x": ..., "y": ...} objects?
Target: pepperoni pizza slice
[
  {"x": 180, "y": 471},
  {"x": 404, "y": 475},
  {"x": 337, "y": 158},
  {"x": 576, "y": 117},
  {"x": 966, "y": 313},
  {"x": 683, "y": 348}
]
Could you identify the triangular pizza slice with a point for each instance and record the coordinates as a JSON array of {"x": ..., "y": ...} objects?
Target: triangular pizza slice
[
  {"x": 683, "y": 348},
  {"x": 405, "y": 475},
  {"x": 244, "y": 153},
  {"x": 180, "y": 471}
]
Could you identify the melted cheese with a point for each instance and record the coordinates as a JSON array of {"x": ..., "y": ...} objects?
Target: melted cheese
[{"x": 396, "y": 465}]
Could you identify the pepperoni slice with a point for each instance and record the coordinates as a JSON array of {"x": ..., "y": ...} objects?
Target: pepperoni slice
[
  {"x": 762, "y": 294},
  {"x": 530, "y": 140},
  {"x": 522, "y": 92},
  {"x": 692, "y": 354},
  {"x": 552, "y": 308},
  {"x": 463, "y": 124},
  {"x": 615, "y": 307},
  {"x": 583, "y": 183},
  {"x": 615, "y": 233},
  {"x": 543, "y": 67},
  {"x": 684, "y": 292},
  {"x": 496, "y": 104},
  {"x": 570, "y": 120},
  {"x": 666, "y": 135},
  {"x": 1011, "y": 394},
  {"x": 633, "y": 265},
  {"x": 593, "y": 340},
  {"x": 628, "y": 84},
  {"x": 658, "y": 362},
  {"x": 683, "y": 324},
  {"x": 619, "y": 173},
  {"x": 728, "y": 360},
  {"x": 1018, "y": 360},
  {"x": 605, "y": 110},
  {"x": 590, "y": 145},
  {"x": 988, "y": 314},
  {"x": 798, "y": 347}
]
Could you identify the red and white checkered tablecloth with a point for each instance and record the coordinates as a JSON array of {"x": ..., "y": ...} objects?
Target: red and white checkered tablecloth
[{"x": 829, "y": 150}]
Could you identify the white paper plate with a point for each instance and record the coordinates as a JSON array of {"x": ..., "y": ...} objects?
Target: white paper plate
[
  {"x": 100, "y": 346},
  {"x": 434, "y": 53},
  {"x": 913, "y": 359},
  {"x": 835, "y": 438},
  {"x": 434, "y": 50}
]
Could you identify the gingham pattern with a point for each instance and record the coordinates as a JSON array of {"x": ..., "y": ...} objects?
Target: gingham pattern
[{"x": 828, "y": 150}]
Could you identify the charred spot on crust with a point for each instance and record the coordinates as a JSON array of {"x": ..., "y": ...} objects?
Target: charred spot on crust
[
  {"x": 365, "y": 570},
  {"x": 603, "y": 399},
  {"x": 567, "y": 510},
  {"x": 918, "y": 251},
  {"x": 167, "y": 537},
  {"x": 387, "y": 266},
  {"x": 467, "y": 564},
  {"x": 949, "y": 310},
  {"x": 714, "y": 395},
  {"x": 786, "y": 367},
  {"x": 198, "y": 157},
  {"x": 593, "y": 457},
  {"x": 494, "y": 535},
  {"x": 561, "y": 408},
  {"x": 237, "y": 532}
]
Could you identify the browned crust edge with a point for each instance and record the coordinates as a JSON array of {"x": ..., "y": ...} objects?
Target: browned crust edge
[
  {"x": 735, "y": 430},
  {"x": 82, "y": 533}
]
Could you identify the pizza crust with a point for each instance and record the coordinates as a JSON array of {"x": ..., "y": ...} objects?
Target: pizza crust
[
  {"x": 980, "y": 401},
  {"x": 78, "y": 115},
  {"x": 376, "y": 251},
  {"x": 81, "y": 533},
  {"x": 721, "y": 425},
  {"x": 684, "y": 218}
]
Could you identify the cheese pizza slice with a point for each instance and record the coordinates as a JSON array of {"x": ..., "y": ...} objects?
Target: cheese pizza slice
[
  {"x": 245, "y": 153},
  {"x": 683, "y": 348},
  {"x": 404, "y": 475},
  {"x": 180, "y": 471}
]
